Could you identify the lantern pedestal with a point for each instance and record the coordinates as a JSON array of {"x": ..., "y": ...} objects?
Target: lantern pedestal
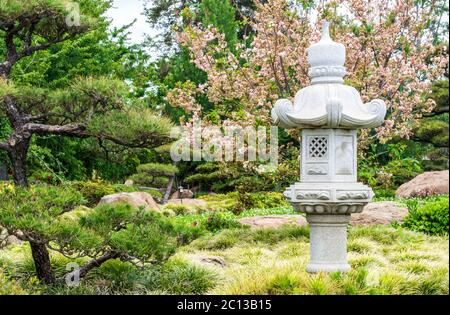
[{"x": 328, "y": 238}]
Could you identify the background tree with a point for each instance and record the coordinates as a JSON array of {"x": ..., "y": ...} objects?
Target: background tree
[
  {"x": 156, "y": 175},
  {"x": 244, "y": 86}
]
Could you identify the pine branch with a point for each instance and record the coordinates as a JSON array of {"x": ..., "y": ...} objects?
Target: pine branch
[
  {"x": 69, "y": 130},
  {"x": 96, "y": 263}
]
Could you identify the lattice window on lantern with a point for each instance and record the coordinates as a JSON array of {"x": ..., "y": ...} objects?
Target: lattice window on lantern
[{"x": 318, "y": 147}]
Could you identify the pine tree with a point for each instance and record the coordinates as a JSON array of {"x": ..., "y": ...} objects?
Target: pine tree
[{"x": 89, "y": 107}]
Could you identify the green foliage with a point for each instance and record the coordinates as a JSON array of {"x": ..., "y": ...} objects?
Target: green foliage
[
  {"x": 154, "y": 174},
  {"x": 428, "y": 217},
  {"x": 178, "y": 209},
  {"x": 157, "y": 169},
  {"x": 433, "y": 131},
  {"x": 178, "y": 277},
  {"x": 93, "y": 191},
  {"x": 386, "y": 167},
  {"x": 9, "y": 286},
  {"x": 37, "y": 208},
  {"x": 220, "y": 14},
  {"x": 218, "y": 221},
  {"x": 440, "y": 93},
  {"x": 50, "y": 215},
  {"x": 133, "y": 126},
  {"x": 259, "y": 200},
  {"x": 53, "y": 15}
]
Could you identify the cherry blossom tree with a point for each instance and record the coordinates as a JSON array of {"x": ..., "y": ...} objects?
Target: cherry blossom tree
[{"x": 392, "y": 53}]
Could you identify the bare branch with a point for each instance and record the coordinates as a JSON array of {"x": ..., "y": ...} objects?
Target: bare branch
[
  {"x": 437, "y": 111},
  {"x": 69, "y": 130},
  {"x": 96, "y": 263}
]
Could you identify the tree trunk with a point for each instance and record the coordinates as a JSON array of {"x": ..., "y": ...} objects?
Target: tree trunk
[
  {"x": 18, "y": 157},
  {"x": 42, "y": 263},
  {"x": 168, "y": 190}
]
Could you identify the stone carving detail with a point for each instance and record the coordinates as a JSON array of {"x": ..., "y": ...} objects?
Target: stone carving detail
[
  {"x": 331, "y": 208},
  {"x": 318, "y": 147},
  {"x": 357, "y": 195},
  {"x": 317, "y": 170},
  {"x": 327, "y": 71},
  {"x": 320, "y": 195},
  {"x": 344, "y": 158},
  {"x": 288, "y": 195}
]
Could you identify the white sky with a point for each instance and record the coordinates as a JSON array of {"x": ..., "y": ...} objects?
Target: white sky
[{"x": 124, "y": 12}]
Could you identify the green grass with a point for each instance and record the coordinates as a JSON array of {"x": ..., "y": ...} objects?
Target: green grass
[
  {"x": 190, "y": 218},
  {"x": 385, "y": 260}
]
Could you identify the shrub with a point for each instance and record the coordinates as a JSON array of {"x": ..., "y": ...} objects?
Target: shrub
[
  {"x": 259, "y": 200},
  {"x": 93, "y": 191},
  {"x": 431, "y": 217},
  {"x": 179, "y": 209},
  {"x": 218, "y": 221}
]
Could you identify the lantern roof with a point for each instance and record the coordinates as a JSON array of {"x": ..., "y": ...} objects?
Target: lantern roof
[{"x": 327, "y": 102}]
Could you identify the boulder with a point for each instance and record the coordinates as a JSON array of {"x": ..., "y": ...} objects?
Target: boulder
[
  {"x": 189, "y": 202},
  {"x": 425, "y": 184},
  {"x": 383, "y": 212},
  {"x": 136, "y": 199},
  {"x": 6, "y": 239},
  {"x": 273, "y": 221},
  {"x": 187, "y": 193}
]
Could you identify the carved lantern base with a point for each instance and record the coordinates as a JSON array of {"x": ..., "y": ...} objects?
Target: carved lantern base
[{"x": 328, "y": 193}]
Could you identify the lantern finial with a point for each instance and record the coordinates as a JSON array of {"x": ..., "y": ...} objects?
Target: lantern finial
[{"x": 326, "y": 30}]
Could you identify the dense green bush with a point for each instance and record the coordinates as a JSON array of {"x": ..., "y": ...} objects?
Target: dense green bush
[
  {"x": 10, "y": 286},
  {"x": 179, "y": 209},
  {"x": 93, "y": 191},
  {"x": 218, "y": 221},
  {"x": 237, "y": 202},
  {"x": 430, "y": 217},
  {"x": 245, "y": 201}
]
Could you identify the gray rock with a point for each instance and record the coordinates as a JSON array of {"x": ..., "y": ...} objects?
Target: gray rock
[
  {"x": 187, "y": 193},
  {"x": 425, "y": 184},
  {"x": 273, "y": 221},
  {"x": 383, "y": 212},
  {"x": 136, "y": 199}
]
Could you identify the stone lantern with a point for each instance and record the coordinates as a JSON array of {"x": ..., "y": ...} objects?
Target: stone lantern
[{"x": 328, "y": 113}]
